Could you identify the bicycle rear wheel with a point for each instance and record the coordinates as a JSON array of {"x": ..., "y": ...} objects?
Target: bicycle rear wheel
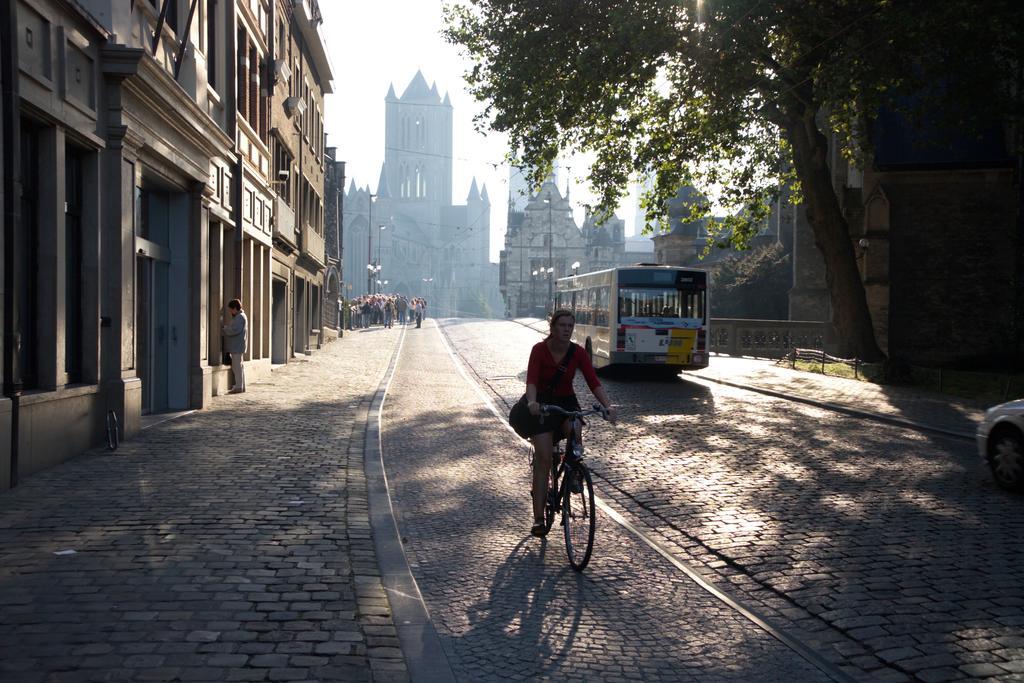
[
  {"x": 551, "y": 504},
  {"x": 578, "y": 516}
]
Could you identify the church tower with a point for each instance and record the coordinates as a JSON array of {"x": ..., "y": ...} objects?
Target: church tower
[{"x": 418, "y": 144}]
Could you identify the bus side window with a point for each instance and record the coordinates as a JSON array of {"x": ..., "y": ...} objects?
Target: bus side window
[
  {"x": 587, "y": 305},
  {"x": 601, "y": 307}
]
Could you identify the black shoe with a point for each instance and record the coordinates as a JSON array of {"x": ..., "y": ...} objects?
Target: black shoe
[{"x": 538, "y": 530}]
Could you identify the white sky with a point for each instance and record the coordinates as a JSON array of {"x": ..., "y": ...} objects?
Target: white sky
[{"x": 381, "y": 42}]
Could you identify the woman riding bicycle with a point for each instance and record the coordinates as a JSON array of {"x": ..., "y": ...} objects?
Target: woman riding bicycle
[{"x": 546, "y": 359}]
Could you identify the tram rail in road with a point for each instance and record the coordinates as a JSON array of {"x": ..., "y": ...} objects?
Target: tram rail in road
[{"x": 805, "y": 651}]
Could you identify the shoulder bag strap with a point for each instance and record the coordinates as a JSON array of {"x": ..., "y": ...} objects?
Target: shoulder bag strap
[{"x": 562, "y": 367}]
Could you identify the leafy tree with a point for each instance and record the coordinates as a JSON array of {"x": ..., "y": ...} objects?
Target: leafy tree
[
  {"x": 754, "y": 285},
  {"x": 733, "y": 97}
]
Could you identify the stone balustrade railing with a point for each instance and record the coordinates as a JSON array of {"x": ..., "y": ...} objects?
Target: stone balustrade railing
[{"x": 765, "y": 338}]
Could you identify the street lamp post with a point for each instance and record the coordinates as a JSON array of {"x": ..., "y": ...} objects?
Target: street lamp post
[
  {"x": 551, "y": 261},
  {"x": 533, "y": 292},
  {"x": 380, "y": 238},
  {"x": 522, "y": 259},
  {"x": 369, "y": 245}
]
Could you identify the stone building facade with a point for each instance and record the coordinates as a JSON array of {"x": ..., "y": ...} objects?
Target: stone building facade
[
  {"x": 940, "y": 239},
  {"x": 137, "y": 201},
  {"x": 334, "y": 206},
  {"x": 299, "y": 74}
]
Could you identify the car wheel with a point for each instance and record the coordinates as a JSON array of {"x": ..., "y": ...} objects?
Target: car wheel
[{"x": 1006, "y": 458}]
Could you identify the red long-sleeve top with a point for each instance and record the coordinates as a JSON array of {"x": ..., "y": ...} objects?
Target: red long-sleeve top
[{"x": 543, "y": 366}]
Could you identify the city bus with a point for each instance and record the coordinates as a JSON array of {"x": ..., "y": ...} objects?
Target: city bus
[{"x": 648, "y": 315}]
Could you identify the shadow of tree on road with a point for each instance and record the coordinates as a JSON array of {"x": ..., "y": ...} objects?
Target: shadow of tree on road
[{"x": 887, "y": 535}]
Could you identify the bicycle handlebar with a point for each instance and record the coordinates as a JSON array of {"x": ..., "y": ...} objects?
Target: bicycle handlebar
[{"x": 598, "y": 409}]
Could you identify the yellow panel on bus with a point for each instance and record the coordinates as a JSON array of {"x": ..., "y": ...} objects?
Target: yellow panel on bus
[{"x": 681, "y": 346}]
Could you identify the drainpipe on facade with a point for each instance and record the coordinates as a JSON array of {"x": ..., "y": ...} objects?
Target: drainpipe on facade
[
  {"x": 11, "y": 158},
  {"x": 339, "y": 227}
]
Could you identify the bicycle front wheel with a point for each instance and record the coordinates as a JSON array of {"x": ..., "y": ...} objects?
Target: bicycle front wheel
[{"x": 579, "y": 516}]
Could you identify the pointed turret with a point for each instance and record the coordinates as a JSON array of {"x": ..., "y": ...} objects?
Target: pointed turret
[
  {"x": 391, "y": 97},
  {"x": 474, "y": 193},
  {"x": 352, "y": 189},
  {"x": 447, "y": 101},
  {"x": 433, "y": 90},
  {"x": 483, "y": 196},
  {"x": 382, "y": 183}
]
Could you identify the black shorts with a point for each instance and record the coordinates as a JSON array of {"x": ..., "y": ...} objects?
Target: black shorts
[{"x": 553, "y": 423}]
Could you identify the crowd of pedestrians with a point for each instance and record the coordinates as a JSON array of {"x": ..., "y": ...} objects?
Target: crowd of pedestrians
[{"x": 386, "y": 310}]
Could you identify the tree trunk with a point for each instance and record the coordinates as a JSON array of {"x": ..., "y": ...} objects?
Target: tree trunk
[{"x": 850, "y": 313}]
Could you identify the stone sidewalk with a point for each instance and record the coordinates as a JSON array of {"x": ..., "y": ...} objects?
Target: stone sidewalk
[
  {"x": 232, "y": 543},
  {"x": 908, "y": 406}
]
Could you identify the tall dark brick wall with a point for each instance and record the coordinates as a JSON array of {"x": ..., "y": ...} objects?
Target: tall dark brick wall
[{"x": 954, "y": 268}]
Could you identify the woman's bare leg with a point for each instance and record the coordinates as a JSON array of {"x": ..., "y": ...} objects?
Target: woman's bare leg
[{"x": 542, "y": 447}]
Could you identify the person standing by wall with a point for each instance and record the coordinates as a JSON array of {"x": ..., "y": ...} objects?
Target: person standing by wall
[{"x": 236, "y": 336}]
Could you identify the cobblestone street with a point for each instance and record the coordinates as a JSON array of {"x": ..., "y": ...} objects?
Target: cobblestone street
[
  {"x": 506, "y": 605},
  {"x": 242, "y": 542},
  {"x": 884, "y": 548},
  {"x": 230, "y": 544}
]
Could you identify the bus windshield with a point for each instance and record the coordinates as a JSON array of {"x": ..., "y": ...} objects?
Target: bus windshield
[{"x": 654, "y": 305}]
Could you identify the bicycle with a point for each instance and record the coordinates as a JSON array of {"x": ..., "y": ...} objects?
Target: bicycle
[{"x": 571, "y": 490}]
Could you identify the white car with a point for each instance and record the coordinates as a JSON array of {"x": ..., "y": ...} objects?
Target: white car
[{"x": 1001, "y": 443}]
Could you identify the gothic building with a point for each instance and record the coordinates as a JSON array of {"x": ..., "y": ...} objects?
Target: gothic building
[
  {"x": 543, "y": 243},
  {"x": 408, "y": 237}
]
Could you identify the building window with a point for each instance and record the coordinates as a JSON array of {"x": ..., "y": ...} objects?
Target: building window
[
  {"x": 264, "y": 100},
  {"x": 242, "y": 95},
  {"x": 211, "y": 43},
  {"x": 253, "y": 107},
  {"x": 172, "y": 16},
  {"x": 25, "y": 289},
  {"x": 282, "y": 179},
  {"x": 73, "y": 331}
]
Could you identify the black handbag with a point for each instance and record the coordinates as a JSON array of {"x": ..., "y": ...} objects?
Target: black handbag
[{"x": 520, "y": 419}]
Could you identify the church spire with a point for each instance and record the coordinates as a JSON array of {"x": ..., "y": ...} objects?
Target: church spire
[
  {"x": 391, "y": 93},
  {"x": 474, "y": 194},
  {"x": 419, "y": 91}
]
